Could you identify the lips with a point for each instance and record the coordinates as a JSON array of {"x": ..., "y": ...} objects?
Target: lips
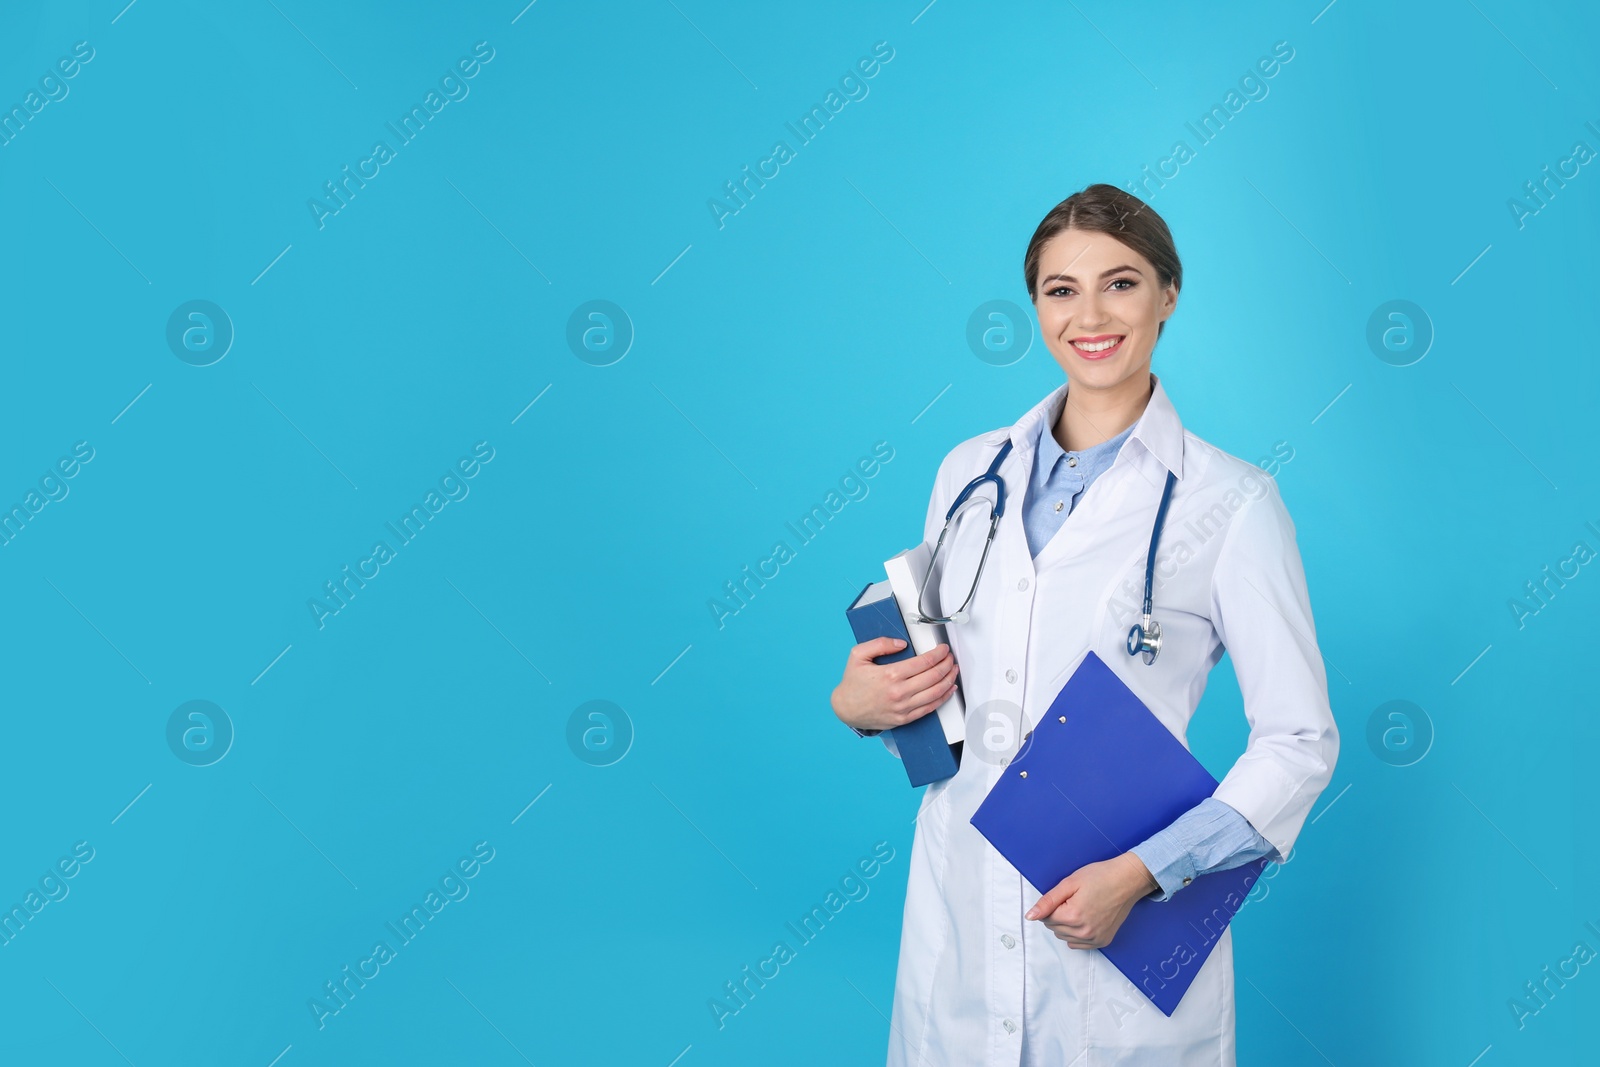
[{"x": 1101, "y": 346}]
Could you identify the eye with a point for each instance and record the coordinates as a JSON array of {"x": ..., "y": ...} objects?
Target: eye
[
  {"x": 1129, "y": 282},
  {"x": 1058, "y": 291}
]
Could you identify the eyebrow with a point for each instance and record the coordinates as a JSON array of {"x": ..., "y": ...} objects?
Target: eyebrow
[{"x": 1103, "y": 274}]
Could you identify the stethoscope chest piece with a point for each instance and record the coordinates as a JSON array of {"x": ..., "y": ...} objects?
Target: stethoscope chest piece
[{"x": 1145, "y": 637}]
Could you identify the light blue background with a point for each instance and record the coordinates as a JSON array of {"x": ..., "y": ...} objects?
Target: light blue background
[{"x": 825, "y": 316}]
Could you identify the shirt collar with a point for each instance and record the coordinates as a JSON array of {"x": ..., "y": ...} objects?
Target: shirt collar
[
  {"x": 1158, "y": 430},
  {"x": 1050, "y": 450}
]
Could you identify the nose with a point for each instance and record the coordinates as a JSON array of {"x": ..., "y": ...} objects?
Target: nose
[{"x": 1091, "y": 311}]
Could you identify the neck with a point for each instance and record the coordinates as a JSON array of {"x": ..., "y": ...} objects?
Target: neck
[{"x": 1090, "y": 417}]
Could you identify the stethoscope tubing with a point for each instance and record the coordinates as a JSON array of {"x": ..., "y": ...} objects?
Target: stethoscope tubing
[{"x": 1144, "y": 637}]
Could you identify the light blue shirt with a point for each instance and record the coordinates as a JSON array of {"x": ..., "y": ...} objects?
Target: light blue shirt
[
  {"x": 1211, "y": 836},
  {"x": 1058, "y": 482}
]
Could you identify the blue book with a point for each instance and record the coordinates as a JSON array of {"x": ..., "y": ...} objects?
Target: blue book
[
  {"x": 927, "y": 756},
  {"x": 1097, "y": 775}
]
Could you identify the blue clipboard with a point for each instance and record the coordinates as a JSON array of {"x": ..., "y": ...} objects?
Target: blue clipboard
[{"x": 1097, "y": 775}]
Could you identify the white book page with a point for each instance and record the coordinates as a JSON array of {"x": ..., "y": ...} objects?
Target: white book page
[{"x": 905, "y": 572}]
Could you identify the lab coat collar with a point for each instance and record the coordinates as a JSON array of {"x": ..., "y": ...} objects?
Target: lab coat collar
[{"x": 1158, "y": 430}]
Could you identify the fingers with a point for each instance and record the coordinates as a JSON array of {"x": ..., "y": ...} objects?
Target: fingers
[
  {"x": 917, "y": 696},
  {"x": 909, "y": 678},
  {"x": 1053, "y": 899},
  {"x": 925, "y": 681},
  {"x": 878, "y": 646},
  {"x": 910, "y": 668},
  {"x": 924, "y": 709},
  {"x": 907, "y": 689},
  {"x": 1076, "y": 935}
]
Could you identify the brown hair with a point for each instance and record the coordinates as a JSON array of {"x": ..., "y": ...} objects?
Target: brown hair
[{"x": 1103, "y": 208}]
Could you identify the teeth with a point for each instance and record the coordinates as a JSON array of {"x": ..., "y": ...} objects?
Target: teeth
[{"x": 1099, "y": 346}]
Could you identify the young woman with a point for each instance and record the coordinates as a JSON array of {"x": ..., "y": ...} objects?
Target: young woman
[{"x": 990, "y": 972}]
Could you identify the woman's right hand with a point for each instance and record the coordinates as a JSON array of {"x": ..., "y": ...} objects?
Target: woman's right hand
[{"x": 875, "y": 696}]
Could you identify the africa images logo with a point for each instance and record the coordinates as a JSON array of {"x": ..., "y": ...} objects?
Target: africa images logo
[
  {"x": 853, "y": 87},
  {"x": 453, "y": 887},
  {"x": 337, "y": 594},
  {"x": 411, "y": 124}
]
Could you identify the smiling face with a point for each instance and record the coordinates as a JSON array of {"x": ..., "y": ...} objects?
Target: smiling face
[{"x": 1100, "y": 307}]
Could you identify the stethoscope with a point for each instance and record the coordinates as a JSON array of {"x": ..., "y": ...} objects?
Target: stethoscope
[{"x": 1144, "y": 637}]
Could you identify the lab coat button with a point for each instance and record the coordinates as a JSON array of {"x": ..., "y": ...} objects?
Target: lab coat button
[
  {"x": 1022, "y": 585},
  {"x": 1011, "y": 676},
  {"x": 1008, "y": 941},
  {"x": 1186, "y": 881},
  {"x": 1010, "y": 1026}
]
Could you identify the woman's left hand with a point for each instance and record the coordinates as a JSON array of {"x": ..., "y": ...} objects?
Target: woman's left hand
[{"x": 1088, "y": 906}]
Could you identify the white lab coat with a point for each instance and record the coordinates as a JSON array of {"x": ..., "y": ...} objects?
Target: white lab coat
[{"x": 977, "y": 983}]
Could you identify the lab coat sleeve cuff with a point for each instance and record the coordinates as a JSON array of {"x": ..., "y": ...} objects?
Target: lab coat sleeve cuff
[{"x": 886, "y": 736}]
